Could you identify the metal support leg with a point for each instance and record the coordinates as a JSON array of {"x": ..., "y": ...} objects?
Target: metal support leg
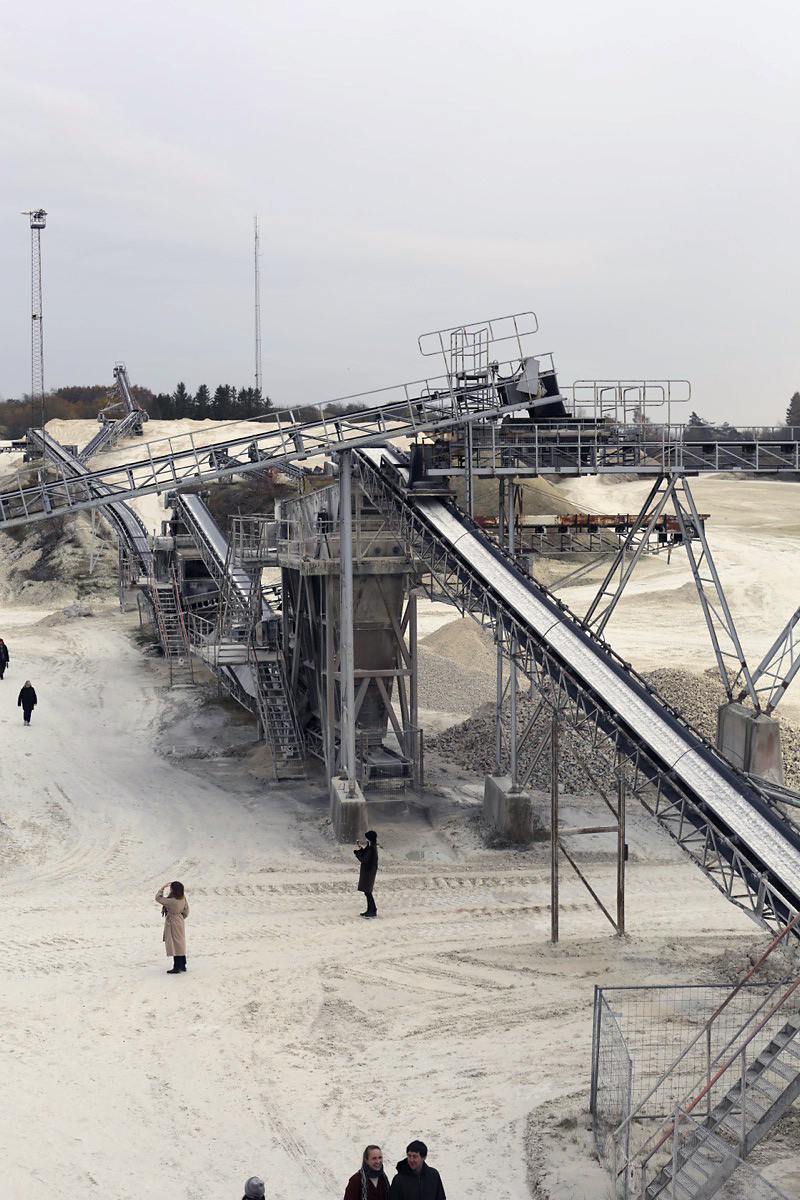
[
  {"x": 416, "y": 745},
  {"x": 620, "y": 848},
  {"x": 513, "y": 663},
  {"x": 554, "y": 827},
  {"x": 346, "y": 639},
  {"x": 329, "y": 715}
]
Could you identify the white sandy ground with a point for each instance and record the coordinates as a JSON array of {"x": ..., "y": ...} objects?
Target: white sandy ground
[{"x": 301, "y": 1032}]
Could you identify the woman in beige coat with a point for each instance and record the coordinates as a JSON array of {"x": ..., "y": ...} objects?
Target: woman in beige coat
[{"x": 175, "y": 910}]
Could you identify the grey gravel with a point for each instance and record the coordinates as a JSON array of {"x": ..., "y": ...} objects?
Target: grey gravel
[{"x": 471, "y": 744}]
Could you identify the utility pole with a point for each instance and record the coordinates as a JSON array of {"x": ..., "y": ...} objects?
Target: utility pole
[
  {"x": 38, "y": 220},
  {"x": 258, "y": 309}
]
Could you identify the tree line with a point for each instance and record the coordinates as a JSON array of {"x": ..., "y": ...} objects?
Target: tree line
[
  {"x": 228, "y": 403},
  {"x": 225, "y": 403},
  {"x": 698, "y": 429}
]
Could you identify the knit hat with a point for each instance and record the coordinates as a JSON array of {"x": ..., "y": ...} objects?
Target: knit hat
[{"x": 254, "y": 1188}]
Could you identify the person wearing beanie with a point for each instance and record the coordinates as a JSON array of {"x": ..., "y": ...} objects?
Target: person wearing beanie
[
  {"x": 254, "y": 1189},
  {"x": 368, "y": 857},
  {"x": 370, "y": 1182},
  {"x": 415, "y": 1180},
  {"x": 26, "y": 700}
]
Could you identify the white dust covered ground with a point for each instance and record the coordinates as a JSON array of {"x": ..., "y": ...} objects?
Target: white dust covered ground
[{"x": 300, "y": 1032}]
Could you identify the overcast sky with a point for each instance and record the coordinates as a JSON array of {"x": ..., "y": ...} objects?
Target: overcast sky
[{"x": 628, "y": 171}]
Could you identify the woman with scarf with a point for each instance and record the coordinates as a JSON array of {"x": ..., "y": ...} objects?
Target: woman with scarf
[{"x": 370, "y": 1183}]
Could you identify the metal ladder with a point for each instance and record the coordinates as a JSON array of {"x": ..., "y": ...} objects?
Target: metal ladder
[{"x": 172, "y": 632}]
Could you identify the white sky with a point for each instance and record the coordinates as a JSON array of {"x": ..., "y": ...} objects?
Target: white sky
[{"x": 629, "y": 171}]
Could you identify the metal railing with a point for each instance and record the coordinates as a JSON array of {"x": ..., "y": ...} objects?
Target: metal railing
[{"x": 657, "y": 1047}]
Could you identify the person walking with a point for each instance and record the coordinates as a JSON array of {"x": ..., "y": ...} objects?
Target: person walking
[
  {"x": 368, "y": 857},
  {"x": 415, "y": 1180},
  {"x": 370, "y": 1182},
  {"x": 254, "y": 1189},
  {"x": 175, "y": 910},
  {"x": 4, "y": 659},
  {"x": 26, "y": 700}
]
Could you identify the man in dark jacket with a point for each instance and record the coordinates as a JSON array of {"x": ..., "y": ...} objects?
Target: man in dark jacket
[
  {"x": 4, "y": 659},
  {"x": 368, "y": 857},
  {"x": 415, "y": 1180}
]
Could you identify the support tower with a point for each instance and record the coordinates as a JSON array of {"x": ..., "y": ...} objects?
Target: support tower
[{"x": 38, "y": 220}]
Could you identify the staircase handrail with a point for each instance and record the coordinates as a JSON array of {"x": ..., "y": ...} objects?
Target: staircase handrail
[
  {"x": 703, "y": 1031},
  {"x": 686, "y": 1104},
  {"x": 179, "y": 607},
  {"x": 724, "y": 1148}
]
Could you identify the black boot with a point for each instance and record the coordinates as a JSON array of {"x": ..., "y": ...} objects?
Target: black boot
[
  {"x": 175, "y": 970},
  {"x": 182, "y": 962}
]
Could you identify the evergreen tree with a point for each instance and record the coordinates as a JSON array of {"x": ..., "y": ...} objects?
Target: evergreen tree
[
  {"x": 248, "y": 403},
  {"x": 163, "y": 407},
  {"x": 695, "y": 421},
  {"x": 202, "y": 402},
  {"x": 222, "y": 406},
  {"x": 793, "y": 411},
  {"x": 182, "y": 401}
]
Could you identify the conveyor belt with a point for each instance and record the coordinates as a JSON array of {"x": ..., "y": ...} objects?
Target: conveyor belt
[
  {"x": 129, "y": 526},
  {"x": 766, "y": 851},
  {"x": 171, "y": 463},
  {"x": 212, "y": 544}
]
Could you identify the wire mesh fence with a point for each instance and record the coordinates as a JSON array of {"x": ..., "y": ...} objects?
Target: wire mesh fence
[{"x": 653, "y": 1048}]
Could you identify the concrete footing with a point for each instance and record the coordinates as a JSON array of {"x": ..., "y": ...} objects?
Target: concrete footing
[
  {"x": 515, "y": 814},
  {"x": 348, "y": 813},
  {"x": 751, "y": 741}
]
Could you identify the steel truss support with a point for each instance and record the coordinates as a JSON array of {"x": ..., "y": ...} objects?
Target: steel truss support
[
  {"x": 558, "y": 834},
  {"x": 721, "y": 856},
  {"x": 779, "y": 665},
  {"x": 732, "y": 665}
]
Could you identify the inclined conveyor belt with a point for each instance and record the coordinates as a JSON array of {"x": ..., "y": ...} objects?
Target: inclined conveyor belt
[
  {"x": 204, "y": 528},
  {"x": 128, "y": 524},
  {"x": 705, "y": 776}
]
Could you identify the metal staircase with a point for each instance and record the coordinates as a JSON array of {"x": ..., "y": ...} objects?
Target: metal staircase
[
  {"x": 172, "y": 632},
  {"x": 765, "y": 1090},
  {"x": 746, "y": 1087},
  {"x": 275, "y": 708}
]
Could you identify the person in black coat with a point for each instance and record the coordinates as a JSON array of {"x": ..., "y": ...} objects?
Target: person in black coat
[
  {"x": 415, "y": 1180},
  {"x": 368, "y": 857},
  {"x": 26, "y": 700},
  {"x": 4, "y": 659}
]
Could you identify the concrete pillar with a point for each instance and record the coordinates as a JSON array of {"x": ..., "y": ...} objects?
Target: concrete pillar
[{"x": 750, "y": 741}]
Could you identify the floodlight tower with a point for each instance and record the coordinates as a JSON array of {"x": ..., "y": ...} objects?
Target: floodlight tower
[
  {"x": 258, "y": 310},
  {"x": 38, "y": 220}
]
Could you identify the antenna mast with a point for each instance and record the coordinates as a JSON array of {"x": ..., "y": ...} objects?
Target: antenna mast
[
  {"x": 38, "y": 220},
  {"x": 258, "y": 309}
]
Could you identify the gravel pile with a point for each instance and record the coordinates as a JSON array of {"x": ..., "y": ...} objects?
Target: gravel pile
[
  {"x": 457, "y": 668},
  {"x": 471, "y": 745}
]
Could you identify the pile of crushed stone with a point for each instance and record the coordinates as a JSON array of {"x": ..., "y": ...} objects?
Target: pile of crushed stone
[{"x": 471, "y": 745}]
